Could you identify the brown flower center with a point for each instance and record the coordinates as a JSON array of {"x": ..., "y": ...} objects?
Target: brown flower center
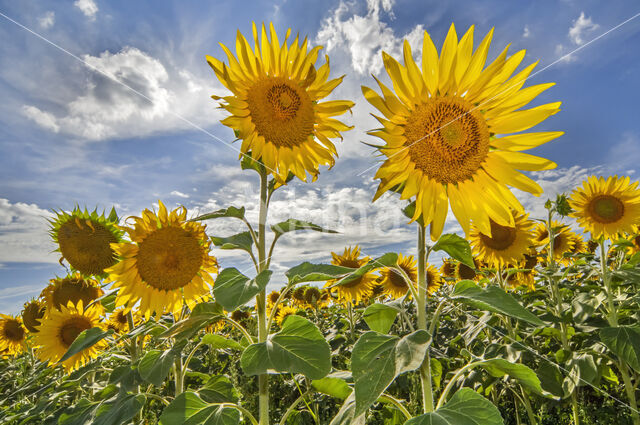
[
  {"x": 502, "y": 237},
  {"x": 13, "y": 330},
  {"x": 169, "y": 258},
  {"x": 465, "y": 272},
  {"x": 74, "y": 290},
  {"x": 31, "y": 316},
  {"x": 86, "y": 246},
  {"x": 72, "y": 327},
  {"x": 447, "y": 139},
  {"x": 606, "y": 209},
  {"x": 281, "y": 111}
]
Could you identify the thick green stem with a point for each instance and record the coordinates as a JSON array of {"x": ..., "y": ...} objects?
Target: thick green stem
[
  {"x": 452, "y": 382},
  {"x": 421, "y": 306},
  {"x": 263, "y": 380},
  {"x": 528, "y": 408},
  {"x": 179, "y": 375}
]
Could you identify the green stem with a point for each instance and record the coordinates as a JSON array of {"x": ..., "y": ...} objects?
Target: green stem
[
  {"x": 386, "y": 398},
  {"x": 179, "y": 375},
  {"x": 263, "y": 380},
  {"x": 452, "y": 382},
  {"x": 239, "y": 327},
  {"x": 292, "y": 407},
  {"x": 529, "y": 409},
  {"x": 421, "y": 306}
]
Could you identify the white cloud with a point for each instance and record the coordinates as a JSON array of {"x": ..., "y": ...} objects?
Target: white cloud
[
  {"x": 179, "y": 194},
  {"x": 363, "y": 37},
  {"x": 47, "y": 20},
  {"x": 580, "y": 28},
  {"x": 565, "y": 55},
  {"x": 88, "y": 7},
  {"x": 147, "y": 99},
  {"x": 23, "y": 233},
  {"x": 527, "y": 32}
]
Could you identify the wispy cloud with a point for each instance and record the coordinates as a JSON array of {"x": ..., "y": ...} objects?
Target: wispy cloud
[
  {"x": 47, "y": 20},
  {"x": 88, "y": 7},
  {"x": 581, "y": 27}
]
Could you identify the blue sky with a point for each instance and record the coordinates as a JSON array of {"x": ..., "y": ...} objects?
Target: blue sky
[{"x": 69, "y": 134}]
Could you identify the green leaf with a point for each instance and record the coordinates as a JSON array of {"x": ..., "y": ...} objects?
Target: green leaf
[
  {"x": 201, "y": 315},
  {"x": 436, "y": 372},
  {"x": 389, "y": 259},
  {"x": 224, "y": 212},
  {"x": 292, "y": 225},
  {"x": 233, "y": 289},
  {"x": 466, "y": 407},
  {"x": 624, "y": 342},
  {"x": 217, "y": 341},
  {"x": 154, "y": 367},
  {"x": 242, "y": 241},
  {"x": 550, "y": 378},
  {"x": 380, "y": 317},
  {"x": 493, "y": 299},
  {"x": 119, "y": 411},
  {"x": 218, "y": 389},
  {"x": 523, "y": 374},
  {"x": 85, "y": 340},
  {"x": 308, "y": 272},
  {"x": 299, "y": 347},
  {"x": 457, "y": 247},
  {"x": 377, "y": 359},
  {"x": 346, "y": 414},
  {"x": 189, "y": 409},
  {"x": 335, "y": 387},
  {"x": 79, "y": 414}
]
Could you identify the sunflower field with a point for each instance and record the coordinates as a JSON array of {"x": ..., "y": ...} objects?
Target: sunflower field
[{"x": 524, "y": 320}]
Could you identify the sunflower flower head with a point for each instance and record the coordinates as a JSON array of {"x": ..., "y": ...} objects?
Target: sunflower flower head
[
  {"x": 275, "y": 104},
  {"x": 71, "y": 288},
  {"x": 61, "y": 327},
  {"x": 507, "y": 245},
  {"x": 564, "y": 240},
  {"x": 394, "y": 282},
  {"x": 284, "y": 312},
  {"x": 166, "y": 264},
  {"x": 453, "y": 132},
  {"x": 13, "y": 335},
  {"x": 312, "y": 296},
  {"x": 606, "y": 207},
  {"x": 32, "y": 312},
  {"x": 119, "y": 322},
  {"x": 84, "y": 239},
  {"x": 356, "y": 289},
  {"x": 434, "y": 279}
]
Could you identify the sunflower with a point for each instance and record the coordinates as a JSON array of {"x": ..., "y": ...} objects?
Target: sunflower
[
  {"x": 521, "y": 279},
  {"x": 284, "y": 312},
  {"x": 464, "y": 272},
  {"x": 359, "y": 288},
  {"x": 275, "y": 109},
  {"x": 434, "y": 279},
  {"x": 32, "y": 312},
  {"x": 606, "y": 207},
  {"x": 166, "y": 265},
  {"x": 506, "y": 245},
  {"x": 563, "y": 240},
  {"x": 299, "y": 297},
  {"x": 119, "y": 322},
  {"x": 442, "y": 129},
  {"x": 273, "y": 297},
  {"x": 579, "y": 245},
  {"x": 635, "y": 241},
  {"x": 84, "y": 239},
  {"x": 12, "y": 335},
  {"x": 394, "y": 282},
  {"x": 313, "y": 296},
  {"x": 240, "y": 316},
  {"x": 60, "y": 328},
  {"x": 72, "y": 288},
  {"x": 448, "y": 269}
]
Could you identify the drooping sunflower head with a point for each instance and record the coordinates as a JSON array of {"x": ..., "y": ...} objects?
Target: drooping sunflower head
[
  {"x": 464, "y": 272},
  {"x": 13, "y": 335},
  {"x": 284, "y": 312},
  {"x": 449, "y": 128},
  {"x": 434, "y": 279},
  {"x": 84, "y": 239},
  {"x": 32, "y": 312},
  {"x": 355, "y": 289},
  {"x": 507, "y": 245},
  {"x": 240, "y": 316},
  {"x": 167, "y": 263},
  {"x": 298, "y": 295},
  {"x": 71, "y": 288},
  {"x": 60, "y": 328},
  {"x": 272, "y": 298},
  {"x": 520, "y": 279},
  {"x": 606, "y": 207},
  {"x": 275, "y": 106},
  {"x": 579, "y": 245},
  {"x": 394, "y": 282},
  {"x": 312, "y": 296},
  {"x": 563, "y": 240},
  {"x": 448, "y": 268}
]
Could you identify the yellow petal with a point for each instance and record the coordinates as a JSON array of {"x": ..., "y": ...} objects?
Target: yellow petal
[
  {"x": 447, "y": 58},
  {"x": 520, "y": 142},
  {"x": 524, "y": 161},
  {"x": 522, "y": 120},
  {"x": 430, "y": 64}
]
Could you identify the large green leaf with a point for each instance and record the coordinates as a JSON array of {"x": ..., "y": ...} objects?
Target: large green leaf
[
  {"x": 457, "y": 247},
  {"x": 466, "y": 407},
  {"x": 377, "y": 359},
  {"x": 333, "y": 386},
  {"x": 493, "y": 299},
  {"x": 522, "y": 373},
  {"x": 119, "y": 411},
  {"x": 346, "y": 414},
  {"x": 233, "y": 289},
  {"x": 624, "y": 341},
  {"x": 380, "y": 317},
  {"x": 292, "y": 225},
  {"x": 189, "y": 409},
  {"x": 79, "y": 414},
  {"x": 309, "y": 272},
  {"x": 389, "y": 259},
  {"x": 156, "y": 364},
  {"x": 218, "y": 341},
  {"x": 242, "y": 241},
  {"x": 551, "y": 378},
  {"x": 201, "y": 315},
  {"x": 298, "y": 348},
  {"x": 218, "y": 389},
  {"x": 224, "y": 212},
  {"x": 85, "y": 340}
]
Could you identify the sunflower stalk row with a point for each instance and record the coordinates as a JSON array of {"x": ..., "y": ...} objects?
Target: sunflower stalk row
[{"x": 523, "y": 315}]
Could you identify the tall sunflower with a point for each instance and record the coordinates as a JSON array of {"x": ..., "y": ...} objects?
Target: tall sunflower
[
  {"x": 61, "y": 327},
  {"x": 359, "y": 288},
  {"x": 564, "y": 240},
  {"x": 507, "y": 245},
  {"x": 166, "y": 265},
  {"x": 12, "y": 335},
  {"x": 606, "y": 207},
  {"x": 84, "y": 239},
  {"x": 444, "y": 129},
  {"x": 394, "y": 283},
  {"x": 74, "y": 288},
  {"x": 32, "y": 313},
  {"x": 275, "y": 106}
]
